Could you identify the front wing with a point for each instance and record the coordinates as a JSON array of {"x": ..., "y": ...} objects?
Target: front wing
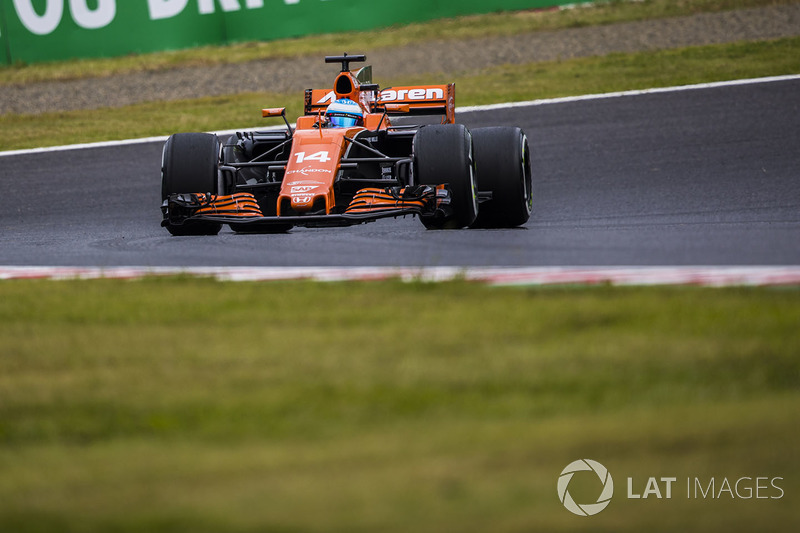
[{"x": 241, "y": 211}]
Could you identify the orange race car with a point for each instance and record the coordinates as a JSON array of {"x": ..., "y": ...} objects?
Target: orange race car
[{"x": 358, "y": 153}]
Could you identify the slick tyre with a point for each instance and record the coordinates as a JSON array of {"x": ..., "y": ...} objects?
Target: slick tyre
[
  {"x": 443, "y": 155},
  {"x": 503, "y": 166},
  {"x": 190, "y": 164}
]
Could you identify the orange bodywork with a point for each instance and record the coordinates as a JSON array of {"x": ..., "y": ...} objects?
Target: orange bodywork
[
  {"x": 317, "y": 150},
  {"x": 312, "y": 169}
]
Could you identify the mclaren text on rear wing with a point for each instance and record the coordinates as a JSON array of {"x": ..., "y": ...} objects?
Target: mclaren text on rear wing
[{"x": 419, "y": 99}]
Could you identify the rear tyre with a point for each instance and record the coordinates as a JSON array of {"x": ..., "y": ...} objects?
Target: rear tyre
[
  {"x": 503, "y": 164},
  {"x": 443, "y": 155},
  {"x": 190, "y": 164}
]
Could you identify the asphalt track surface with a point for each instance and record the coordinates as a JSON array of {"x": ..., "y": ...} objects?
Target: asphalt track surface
[{"x": 700, "y": 177}]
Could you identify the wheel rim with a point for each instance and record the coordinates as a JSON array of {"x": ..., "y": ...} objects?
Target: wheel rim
[
  {"x": 472, "y": 181},
  {"x": 527, "y": 187}
]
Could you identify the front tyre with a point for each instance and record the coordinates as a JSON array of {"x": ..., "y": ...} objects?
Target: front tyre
[
  {"x": 190, "y": 164},
  {"x": 443, "y": 155},
  {"x": 503, "y": 164}
]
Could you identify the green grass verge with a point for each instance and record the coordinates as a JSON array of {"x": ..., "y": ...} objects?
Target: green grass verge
[
  {"x": 504, "y": 23},
  {"x": 505, "y": 83},
  {"x": 193, "y": 405}
]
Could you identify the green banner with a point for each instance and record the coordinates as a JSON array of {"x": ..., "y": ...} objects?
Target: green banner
[
  {"x": 50, "y": 30},
  {"x": 5, "y": 51}
]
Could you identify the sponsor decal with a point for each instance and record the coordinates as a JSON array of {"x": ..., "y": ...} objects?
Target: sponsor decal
[
  {"x": 303, "y": 192},
  {"x": 305, "y": 182},
  {"x": 328, "y": 98},
  {"x": 307, "y": 171},
  {"x": 418, "y": 94},
  {"x": 302, "y": 188}
]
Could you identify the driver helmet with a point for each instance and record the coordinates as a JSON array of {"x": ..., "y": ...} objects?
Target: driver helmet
[{"x": 344, "y": 113}]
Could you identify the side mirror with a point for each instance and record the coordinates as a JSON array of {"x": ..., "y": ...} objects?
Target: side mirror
[{"x": 273, "y": 112}]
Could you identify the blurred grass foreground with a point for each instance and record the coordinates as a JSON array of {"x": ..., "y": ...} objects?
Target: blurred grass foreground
[{"x": 194, "y": 405}]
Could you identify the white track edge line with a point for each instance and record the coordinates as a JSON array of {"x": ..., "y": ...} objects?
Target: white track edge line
[
  {"x": 466, "y": 109},
  {"x": 125, "y": 142},
  {"x": 707, "y": 276},
  {"x": 636, "y": 92}
]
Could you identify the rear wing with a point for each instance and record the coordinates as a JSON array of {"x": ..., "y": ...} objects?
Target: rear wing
[{"x": 420, "y": 99}]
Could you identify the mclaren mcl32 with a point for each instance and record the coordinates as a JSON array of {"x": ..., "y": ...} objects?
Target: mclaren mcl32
[{"x": 357, "y": 154}]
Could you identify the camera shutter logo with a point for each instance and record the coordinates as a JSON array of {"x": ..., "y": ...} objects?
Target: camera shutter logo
[{"x": 587, "y": 509}]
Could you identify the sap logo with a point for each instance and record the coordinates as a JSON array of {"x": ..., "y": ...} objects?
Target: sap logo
[
  {"x": 390, "y": 95},
  {"x": 303, "y": 188}
]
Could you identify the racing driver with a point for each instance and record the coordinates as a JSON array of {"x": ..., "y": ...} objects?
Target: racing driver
[{"x": 344, "y": 113}]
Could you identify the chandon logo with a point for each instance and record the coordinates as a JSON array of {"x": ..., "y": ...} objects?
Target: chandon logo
[
  {"x": 587, "y": 509},
  {"x": 307, "y": 171}
]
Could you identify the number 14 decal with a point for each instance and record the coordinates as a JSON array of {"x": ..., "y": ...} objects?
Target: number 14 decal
[{"x": 322, "y": 157}]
